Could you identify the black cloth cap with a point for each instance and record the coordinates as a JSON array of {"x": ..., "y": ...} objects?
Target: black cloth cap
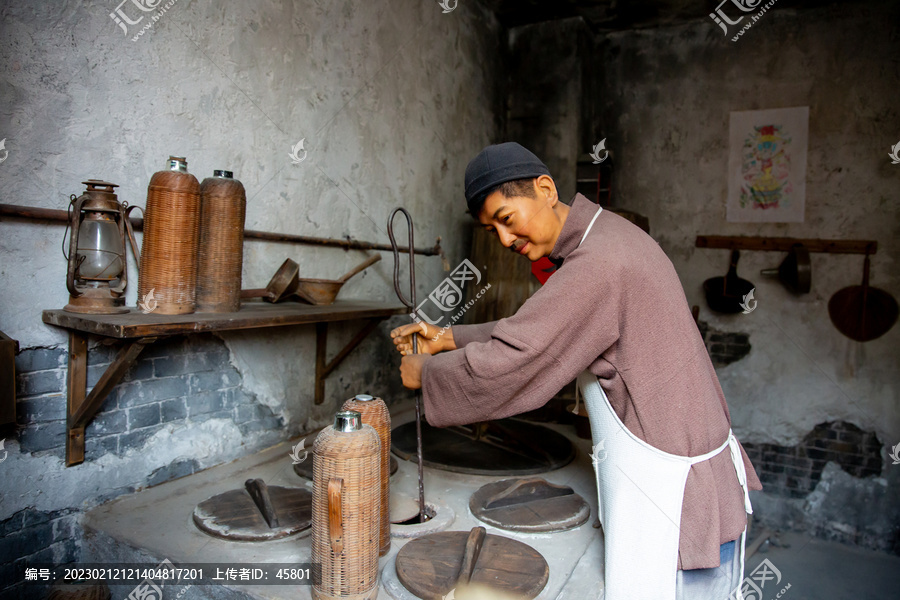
[{"x": 498, "y": 164}]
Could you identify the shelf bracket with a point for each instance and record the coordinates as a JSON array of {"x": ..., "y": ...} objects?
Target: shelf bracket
[
  {"x": 81, "y": 406},
  {"x": 323, "y": 368}
]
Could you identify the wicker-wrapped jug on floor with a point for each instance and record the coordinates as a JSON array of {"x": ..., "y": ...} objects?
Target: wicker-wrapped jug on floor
[
  {"x": 346, "y": 509},
  {"x": 375, "y": 413},
  {"x": 223, "y": 205},
  {"x": 167, "y": 280}
]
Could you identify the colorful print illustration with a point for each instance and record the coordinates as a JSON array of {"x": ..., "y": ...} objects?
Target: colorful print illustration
[
  {"x": 767, "y": 151},
  {"x": 765, "y": 168}
]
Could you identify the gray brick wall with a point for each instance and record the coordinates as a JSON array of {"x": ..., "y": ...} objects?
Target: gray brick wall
[
  {"x": 30, "y": 536},
  {"x": 181, "y": 379},
  {"x": 724, "y": 347},
  {"x": 186, "y": 379},
  {"x": 794, "y": 471}
]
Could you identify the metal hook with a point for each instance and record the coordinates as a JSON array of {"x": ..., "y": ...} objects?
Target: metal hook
[{"x": 411, "y": 305}]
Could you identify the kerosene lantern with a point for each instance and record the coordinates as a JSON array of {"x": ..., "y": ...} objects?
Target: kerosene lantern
[{"x": 97, "y": 276}]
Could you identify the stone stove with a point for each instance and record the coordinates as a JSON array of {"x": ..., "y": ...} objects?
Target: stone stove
[{"x": 156, "y": 524}]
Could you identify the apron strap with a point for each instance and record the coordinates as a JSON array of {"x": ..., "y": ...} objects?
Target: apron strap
[
  {"x": 590, "y": 225},
  {"x": 738, "y": 460},
  {"x": 577, "y": 397},
  {"x": 705, "y": 457}
]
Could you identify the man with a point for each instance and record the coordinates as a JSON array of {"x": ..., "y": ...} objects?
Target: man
[{"x": 614, "y": 316}]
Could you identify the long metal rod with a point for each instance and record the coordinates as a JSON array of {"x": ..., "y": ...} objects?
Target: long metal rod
[
  {"x": 411, "y": 305},
  {"x": 54, "y": 215}
]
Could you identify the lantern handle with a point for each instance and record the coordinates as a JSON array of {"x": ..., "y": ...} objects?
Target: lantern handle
[
  {"x": 72, "y": 198},
  {"x": 129, "y": 228},
  {"x": 73, "y": 260}
]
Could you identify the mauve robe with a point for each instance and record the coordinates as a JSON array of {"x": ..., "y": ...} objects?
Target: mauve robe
[{"x": 614, "y": 306}]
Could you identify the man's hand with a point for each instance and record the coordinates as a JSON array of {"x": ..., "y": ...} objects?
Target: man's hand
[
  {"x": 411, "y": 370},
  {"x": 430, "y": 340}
]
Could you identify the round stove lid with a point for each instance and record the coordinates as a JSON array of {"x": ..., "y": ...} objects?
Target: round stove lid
[
  {"x": 529, "y": 505},
  {"x": 403, "y": 508},
  {"x": 433, "y": 566},
  {"x": 256, "y": 513},
  {"x": 504, "y": 447}
]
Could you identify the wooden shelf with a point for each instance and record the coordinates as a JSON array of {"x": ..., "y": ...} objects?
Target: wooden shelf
[
  {"x": 784, "y": 244},
  {"x": 140, "y": 330},
  {"x": 252, "y": 315}
]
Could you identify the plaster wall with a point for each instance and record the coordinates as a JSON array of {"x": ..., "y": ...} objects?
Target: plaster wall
[
  {"x": 544, "y": 95},
  {"x": 663, "y": 102},
  {"x": 391, "y": 98},
  {"x": 668, "y": 94}
]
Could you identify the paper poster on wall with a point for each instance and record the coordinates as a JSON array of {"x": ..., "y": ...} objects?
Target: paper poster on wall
[{"x": 767, "y": 165}]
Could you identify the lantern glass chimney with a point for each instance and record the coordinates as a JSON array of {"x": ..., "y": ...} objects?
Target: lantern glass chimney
[{"x": 100, "y": 245}]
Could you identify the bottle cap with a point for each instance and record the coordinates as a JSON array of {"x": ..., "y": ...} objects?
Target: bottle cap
[
  {"x": 178, "y": 163},
  {"x": 223, "y": 173},
  {"x": 364, "y": 397},
  {"x": 348, "y": 420}
]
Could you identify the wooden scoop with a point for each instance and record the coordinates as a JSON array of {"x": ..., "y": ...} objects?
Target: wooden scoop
[
  {"x": 282, "y": 285},
  {"x": 287, "y": 283},
  {"x": 324, "y": 291}
]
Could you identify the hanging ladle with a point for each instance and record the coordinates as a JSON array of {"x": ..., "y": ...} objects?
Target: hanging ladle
[
  {"x": 861, "y": 312},
  {"x": 794, "y": 272},
  {"x": 725, "y": 294}
]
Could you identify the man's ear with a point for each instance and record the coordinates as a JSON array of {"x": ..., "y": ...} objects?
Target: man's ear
[{"x": 546, "y": 189}]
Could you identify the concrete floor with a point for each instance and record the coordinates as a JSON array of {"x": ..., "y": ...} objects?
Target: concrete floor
[{"x": 821, "y": 570}]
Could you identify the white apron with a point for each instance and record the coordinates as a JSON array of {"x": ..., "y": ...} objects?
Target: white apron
[{"x": 640, "y": 492}]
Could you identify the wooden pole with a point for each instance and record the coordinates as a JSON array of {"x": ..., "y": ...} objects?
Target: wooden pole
[
  {"x": 783, "y": 244},
  {"x": 61, "y": 216}
]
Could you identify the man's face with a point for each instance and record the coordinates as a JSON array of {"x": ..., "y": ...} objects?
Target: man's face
[{"x": 528, "y": 226}]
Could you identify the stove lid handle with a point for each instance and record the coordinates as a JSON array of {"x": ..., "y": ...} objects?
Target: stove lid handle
[
  {"x": 474, "y": 544},
  {"x": 259, "y": 493}
]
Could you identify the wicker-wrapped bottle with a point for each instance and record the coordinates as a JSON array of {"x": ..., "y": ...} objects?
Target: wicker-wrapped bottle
[
  {"x": 223, "y": 206},
  {"x": 346, "y": 509},
  {"x": 375, "y": 413},
  {"x": 167, "y": 280}
]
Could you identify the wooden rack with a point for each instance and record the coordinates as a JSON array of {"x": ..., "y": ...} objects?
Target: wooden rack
[
  {"x": 140, "y": 330},
  {"x": 784, "y": 244}
]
